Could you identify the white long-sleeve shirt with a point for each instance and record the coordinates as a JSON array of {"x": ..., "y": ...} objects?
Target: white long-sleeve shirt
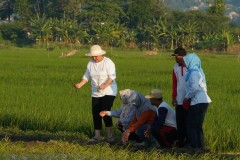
[
  {"x": 178, "y": 83},
  {"x": 196, "y": 89},
  {"x": 99, "y": 73}
]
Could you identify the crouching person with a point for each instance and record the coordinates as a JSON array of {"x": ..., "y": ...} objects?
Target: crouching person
[
  {"x": 143, "y": 117},
  {"x": 124, "y": 113},
  {"x": 164, "y": 128}
]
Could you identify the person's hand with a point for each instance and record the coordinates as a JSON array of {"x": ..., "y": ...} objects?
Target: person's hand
[
  {"x": 102, "y": 87},
  {"x": 186, "y": 104},
  {"x": 174, "y": 102},
  {"x": 125, "y": 136},
  {"x": 77, "y": 85},
  {"x": 147, "y": 133},
  {"x": 103, "y": 113}
]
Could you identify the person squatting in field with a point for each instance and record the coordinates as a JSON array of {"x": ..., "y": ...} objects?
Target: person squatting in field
[
  {"x": 178, "y": 93},
  {"x": 144, "y": 115},
  {"x": 196, "y": 100},
  {"x": 164, "y": 128},
  {"x": 125, "y": 113},
  {"x": 101, "y": 70}
]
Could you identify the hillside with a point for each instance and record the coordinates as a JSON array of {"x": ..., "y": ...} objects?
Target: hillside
[{"x": 232, "y": 6}]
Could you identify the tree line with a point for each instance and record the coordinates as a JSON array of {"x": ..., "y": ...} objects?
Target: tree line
[{"x": 145, "y": 24}]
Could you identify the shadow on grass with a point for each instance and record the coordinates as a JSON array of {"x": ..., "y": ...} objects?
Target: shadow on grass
[
  {"x": 44, "y": 136},
  {"x": 82, "y": 139}
]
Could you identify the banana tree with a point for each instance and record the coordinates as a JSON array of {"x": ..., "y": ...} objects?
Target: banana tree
[
  {"x": 188, "y": 32},
  {"x": 120, "y": 35},
  {"x": 158, "y": 31},
  {"x": 227, "y": 38},
  {"x": 64, "y": 28},
  {"x": 209, "y": 36},
  {"x": 131, "y": 38},
  {"x": 105, "y": 32},
  {"x": 161, "y": 31},
  {"x": 172, "y": 33},
  {"x": 41, "y": 29},
  {"x": 211, "y": 41},
  {"x": 152, "y": 33}
]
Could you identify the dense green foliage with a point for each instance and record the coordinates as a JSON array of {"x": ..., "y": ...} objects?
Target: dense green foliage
[
  {"x": 145, "y": 24},
  {"x": 37, "y": 91}
]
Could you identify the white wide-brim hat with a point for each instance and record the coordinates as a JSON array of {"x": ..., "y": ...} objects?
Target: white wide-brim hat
[{"x": 96, "y": 50}]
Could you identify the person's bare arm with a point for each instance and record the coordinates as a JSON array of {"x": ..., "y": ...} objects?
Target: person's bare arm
[{"x": 80, "y": 84}]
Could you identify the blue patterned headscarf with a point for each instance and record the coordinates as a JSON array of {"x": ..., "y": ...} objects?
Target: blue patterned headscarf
[{"x": 193, "y": 63}]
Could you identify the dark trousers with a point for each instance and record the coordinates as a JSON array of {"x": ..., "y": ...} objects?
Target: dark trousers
[
  {"x": 181, "y": 116},
  {"x": 132, "y": 137},
  {"x": 165, "y": 135},
  {"x": 195, "y": 118},
  {"x": 100, "y": 104}
]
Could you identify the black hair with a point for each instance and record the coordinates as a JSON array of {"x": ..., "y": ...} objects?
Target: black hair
[
  {"x": 158, "y": 99},
  {"x": 180, "y": 51}
]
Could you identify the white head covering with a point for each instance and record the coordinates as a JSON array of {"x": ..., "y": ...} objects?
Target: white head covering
[
  {"x": 126, "y": 106},
  {"x": 136, "y": 99},
  {"x": 125, "y": 94}
]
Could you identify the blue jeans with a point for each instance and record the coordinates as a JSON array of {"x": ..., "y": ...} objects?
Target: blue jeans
[{"x": 195, "y": 118}]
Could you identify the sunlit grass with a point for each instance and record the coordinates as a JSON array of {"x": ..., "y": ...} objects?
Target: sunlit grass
[{"x": 37, "y": 91}]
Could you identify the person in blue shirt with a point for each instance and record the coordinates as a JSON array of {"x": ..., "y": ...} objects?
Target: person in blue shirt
[
  {"x": 124, "y": 113},
  {"x": 135, "y": 115},
  {"x": 196, "y": 100}
]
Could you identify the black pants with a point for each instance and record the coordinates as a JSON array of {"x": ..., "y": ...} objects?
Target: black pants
[
  {"x": 181, "y": 116},
  {"x": 100, "y": 104},
  {"x": 132, "y": 137},
  {"x": 195, "y": 118}
]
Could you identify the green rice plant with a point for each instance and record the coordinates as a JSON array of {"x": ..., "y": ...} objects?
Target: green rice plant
[{"x": 37, "y": 93}]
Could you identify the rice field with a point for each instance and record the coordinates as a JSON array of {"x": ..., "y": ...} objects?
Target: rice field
[{"x": 37, "y": 94}]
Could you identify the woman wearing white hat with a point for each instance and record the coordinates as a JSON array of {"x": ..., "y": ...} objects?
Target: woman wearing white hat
[{"x": 101, "y": 70}]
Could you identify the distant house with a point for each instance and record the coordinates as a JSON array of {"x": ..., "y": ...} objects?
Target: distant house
[{"x": 233, "y": 15}]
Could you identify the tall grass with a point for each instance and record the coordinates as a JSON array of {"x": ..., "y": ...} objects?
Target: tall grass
[{"x": 37, "y": 92}]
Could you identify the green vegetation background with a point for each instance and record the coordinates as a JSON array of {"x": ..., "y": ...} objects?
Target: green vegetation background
[{"x": 38, "y": 98}]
